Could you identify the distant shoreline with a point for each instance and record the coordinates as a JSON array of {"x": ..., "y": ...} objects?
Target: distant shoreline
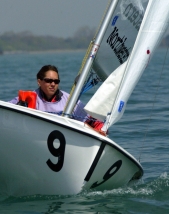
[
  {"x": 53, "y": 51},
  {"x": 45, "y": 51}
]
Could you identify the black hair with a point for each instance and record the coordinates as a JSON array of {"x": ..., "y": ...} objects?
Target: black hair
[{"x": 41, "y": 74}]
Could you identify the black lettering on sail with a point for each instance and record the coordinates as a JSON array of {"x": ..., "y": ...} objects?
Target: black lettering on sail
[
  {"x": 121, "y": 42},
  {"x": 113, "y": 38},
  {"x": 139, "y": 22},
  {"x": 122, "y": 53},
  {"x": 127, "y": 10},
  {"x": 126, "y": 54},
  {"x": 133, "y": 15},
  {"x": 117, "y": 44}
]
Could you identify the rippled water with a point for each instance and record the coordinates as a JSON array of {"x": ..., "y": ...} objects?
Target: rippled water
[{"x": 143, "y": 131}]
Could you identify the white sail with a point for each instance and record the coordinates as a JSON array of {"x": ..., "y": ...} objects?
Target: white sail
[
  {"x": 154, "y": 25},
  {"x": 119, "y": 37},
  {"x": 106, "y": 94}
]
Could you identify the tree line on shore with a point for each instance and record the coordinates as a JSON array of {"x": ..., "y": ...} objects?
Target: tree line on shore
[{"x": 26, "y": 41}]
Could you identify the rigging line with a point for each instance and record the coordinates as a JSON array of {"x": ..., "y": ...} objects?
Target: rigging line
[
  {"x": 103, "y": 17},
  {"x": 87, "y": 55},
  {"x": 89, "y": 84},
  {"x": 157, "y": 88},
  {"x": 82, "y": 66}
]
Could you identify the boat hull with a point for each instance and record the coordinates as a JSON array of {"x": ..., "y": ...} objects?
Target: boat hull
[{"x": 47, "y": 154}]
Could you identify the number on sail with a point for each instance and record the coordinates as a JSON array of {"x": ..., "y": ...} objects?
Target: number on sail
[
  {"x": 108, "y": 175},
  {"x": 59, "y": 152}
]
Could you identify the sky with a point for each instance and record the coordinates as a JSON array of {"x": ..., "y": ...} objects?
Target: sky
[{"x": 60, "y": 18}]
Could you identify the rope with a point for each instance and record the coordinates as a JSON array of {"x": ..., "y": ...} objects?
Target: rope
[
  {"x": 90, "y": 83},
  {"x": 105, "y": 12},
  {"x": 157, "y": 88},
  {"x": 82, "y": 66}
]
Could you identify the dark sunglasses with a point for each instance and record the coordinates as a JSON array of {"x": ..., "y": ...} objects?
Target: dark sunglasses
[{"x": 56, "y": 81}]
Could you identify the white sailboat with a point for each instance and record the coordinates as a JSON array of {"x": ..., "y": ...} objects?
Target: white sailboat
[{"x": 44, "y": 153}]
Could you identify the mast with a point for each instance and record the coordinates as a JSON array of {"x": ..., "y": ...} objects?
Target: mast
[{"x": 89, "y": 62}]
